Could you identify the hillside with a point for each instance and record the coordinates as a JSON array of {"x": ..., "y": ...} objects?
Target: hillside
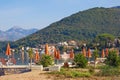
[
  {"x": 84, "y": 25},
  {"x": 15, "y": 33}
]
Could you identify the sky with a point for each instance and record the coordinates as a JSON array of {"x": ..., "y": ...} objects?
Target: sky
[{"x": 41, "y": 13}]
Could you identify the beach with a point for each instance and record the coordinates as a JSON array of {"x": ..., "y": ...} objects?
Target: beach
[
  {"x": 41, "y": 75},
  {"x": 33, "y": 75}
]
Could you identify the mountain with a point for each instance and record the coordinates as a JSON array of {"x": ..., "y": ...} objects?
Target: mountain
[
  {"x": 84, "y": 25},
  {"x": 116, "y": 7},
  {"x": 15, "y": 33}
]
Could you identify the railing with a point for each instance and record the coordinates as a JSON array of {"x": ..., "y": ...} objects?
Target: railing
[{"x": 14, "y": 69}]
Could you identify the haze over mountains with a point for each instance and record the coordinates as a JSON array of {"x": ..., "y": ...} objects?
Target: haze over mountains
[
  {"x": 84, "y": 25},
  {"x": 15, "y": 33}
]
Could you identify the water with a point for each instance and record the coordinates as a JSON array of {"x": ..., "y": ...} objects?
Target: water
[{"x": 18, "y": 58}]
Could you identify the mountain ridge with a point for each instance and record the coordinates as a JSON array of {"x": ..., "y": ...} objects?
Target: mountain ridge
[
  {"x": 84, "y": 25},
  {"x": 15, "y": 33}
]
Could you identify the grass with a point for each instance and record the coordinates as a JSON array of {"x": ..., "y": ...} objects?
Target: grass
[
  {"x": 71, "y": 73},
  {"x": 108, "y": 71},
  {"x": 101, "y": 71}
]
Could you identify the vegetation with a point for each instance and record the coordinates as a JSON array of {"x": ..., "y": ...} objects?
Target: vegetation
[
  {"x": 80, "y": 60},
  {"x": 31, "y": 56},
  {"x": 108, "y": 71},
  {"x": 85, "y": 26},
  {"x": 95, "y": 56},
  {"x": 46, "y": 60},
  {"x": 69, "y": 73},
  {"x": 104, "y": 40},
  {"x": 113, "y": 59},
  {"x": 91, "y": 69}
]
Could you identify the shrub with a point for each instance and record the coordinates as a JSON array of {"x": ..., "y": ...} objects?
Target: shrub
[
  {"x": 109, "y": 71},
  {"x": 68, "y": 73},
  {"x": 80, "y": 60},
  {"x": 113, "y": 59},
  {"x": 91, "y": 69},
  {"x": 46, "y": 60}
]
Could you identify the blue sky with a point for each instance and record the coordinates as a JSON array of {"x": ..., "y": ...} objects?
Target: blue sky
[{"x": 41, "y": 13}]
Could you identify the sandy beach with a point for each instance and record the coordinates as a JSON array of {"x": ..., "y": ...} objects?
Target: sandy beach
[
  {"x": 33, "y": 75},
  {"x": 40, "y": 75}
]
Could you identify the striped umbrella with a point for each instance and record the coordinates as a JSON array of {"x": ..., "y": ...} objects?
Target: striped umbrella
[
  {"x": 58, "y": 54},
  {"x": 8, "y": 50},
  {"x": 89, "y": 53},
  {"x": 106, "y": 52},
  {"x": 84, "y": 52},
  {"x": 46, "y": 49},
  {"x": 37, "y": 57},
  {"x": 55, "y": 53},
  {"x": 72, "y": 54},
  {"x": 103, "y": 54}
]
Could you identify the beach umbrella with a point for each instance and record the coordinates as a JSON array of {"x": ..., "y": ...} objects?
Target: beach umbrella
[
  {"x": 55, "y": 53},
  {"x": 8, "y": 50},
  {"x": 58, "y": 54},
  {"x": 89, "y": 53},
  {"x": 84, "y": 52},
  {"x": 103, "y": 54},
  {"x": 46, "y": 49},
  {"x": 37, "y": 57},
  {"x": 106, "y": 52},
  {"x": 72, "y": 54}
]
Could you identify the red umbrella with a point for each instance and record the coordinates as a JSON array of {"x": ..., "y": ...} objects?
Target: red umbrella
[
  {"x": 46, "y": 49},
  {"x": 8, "y": 50},
  {"x": 37, "y": 57},
  {"x": 106, "y": 52},
  {"x": 55, "y": 53},
  {"x": 89, "y": 53},
  {"x": 103, "y": 54},
  {"x": 58, "y": 54},
  {"x": 84, "y": 52},
  {"x": 72, "y": 54}
]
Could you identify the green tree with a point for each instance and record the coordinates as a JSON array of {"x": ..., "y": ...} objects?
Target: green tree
[
  {"x": 80, "y": 60},
  {"x": 31, "y": 56},
  {"x": 113, "y": 59},
  {"x": 46, "y": 60},
  {"x": 95, "y": 56},
  {"x": 104, "y": 39}
]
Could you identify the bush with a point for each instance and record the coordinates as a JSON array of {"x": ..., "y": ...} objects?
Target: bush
[
  {"x": 109, "y": 71},
  {"x": 46, "y": 60},
  {"x": 91, "y": 69},
  {"x": 68, "y": 73},
  {"x": 113, "y": 59},
  {"x": 80, "y": 60}
]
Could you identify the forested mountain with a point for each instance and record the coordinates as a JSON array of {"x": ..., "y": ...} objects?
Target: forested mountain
[{"x": 84, "y": 25}]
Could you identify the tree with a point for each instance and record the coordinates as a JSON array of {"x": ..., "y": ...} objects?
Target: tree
[
  {"x": 104, "y": 39},
  {"x": 80, "y": 60},
  {"x": 113, "y": 59},
  {"x": 46, "y": 60},
  {"x": 31, "y": 56},
  {"x": 95, "y": 56}
]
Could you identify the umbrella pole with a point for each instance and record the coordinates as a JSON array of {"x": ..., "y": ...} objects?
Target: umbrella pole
[
  {"x": 8, "y": 60},
  {"x": 57, "y": 61}
]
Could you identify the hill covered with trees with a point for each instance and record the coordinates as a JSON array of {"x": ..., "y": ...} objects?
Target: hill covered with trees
[{"x": 84, "y": 25}]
